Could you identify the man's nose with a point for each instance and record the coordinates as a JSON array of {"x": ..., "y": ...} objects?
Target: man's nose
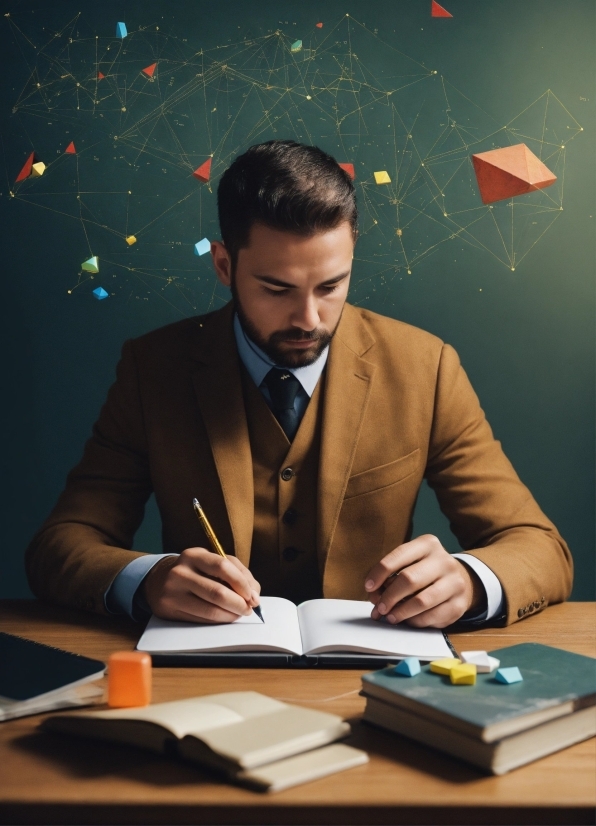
[{"x": 306, "y": 314}]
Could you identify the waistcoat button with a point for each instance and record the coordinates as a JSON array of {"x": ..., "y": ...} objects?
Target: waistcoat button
[
  {"x": 290, "y": 516},
  {"x": 290, "y": 554},
  {"x": 520, "y": 613},
  {"x": 287, "y": 474}
]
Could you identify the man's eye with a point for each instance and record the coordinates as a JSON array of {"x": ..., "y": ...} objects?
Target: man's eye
[
  {"x": 331, "y": 289},
  {"x": 276, "y": 291}
]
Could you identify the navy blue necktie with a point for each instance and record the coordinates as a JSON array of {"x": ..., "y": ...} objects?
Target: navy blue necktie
[{"x": 283, "y": 386}]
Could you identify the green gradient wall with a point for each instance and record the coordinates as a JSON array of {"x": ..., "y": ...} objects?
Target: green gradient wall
[{"x": 525, "y": 333}]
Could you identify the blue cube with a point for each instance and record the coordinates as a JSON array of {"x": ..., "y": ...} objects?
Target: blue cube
[
  {"x": 408, "y": 667},
  {"x": 509, "y": 675},
  {"x": 100, "y": 293},
  {"x": 121, "y": 31},
  {"x": 202, "y": 246}
]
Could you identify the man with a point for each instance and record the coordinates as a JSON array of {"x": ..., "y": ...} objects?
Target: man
[{"x": 305, "y": 427}]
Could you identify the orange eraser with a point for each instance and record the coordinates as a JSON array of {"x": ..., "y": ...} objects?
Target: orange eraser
[{"x": 129, "y": 679}]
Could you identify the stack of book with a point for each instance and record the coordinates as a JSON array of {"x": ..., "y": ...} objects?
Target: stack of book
[
  {"x": 494, "y": 726},
  {"x": 252, "y": 739}
]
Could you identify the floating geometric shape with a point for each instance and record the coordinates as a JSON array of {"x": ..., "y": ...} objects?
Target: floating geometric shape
[
  {"x": 100, "y": 75},
  {"x": 37, "y": 169},
  {"x": 203, "y": 246},
  {"x": 26, "y": 170},
  {"x": 510, "y": 171},
  {"x": 319, "y": 25},
  {"x": 349, "y": 168},
  {"x": 130, "y": 240},
  {"x": 464, "y": 674},
  {"x": 444, "y": 666},
  {"x": 382, "y": 177},
  {"x": 91, "y": 264},
  {"x": 438, "y": 11},
  {"x": 203, "y": 173},
  {"x": 408, "y": 667},
  {"x": 509, "y": 675},
  {"x": 129, "y": 679},
  {"x": 70, "y": 149},
  {"x": 296, "y": 46},
  {"x": 485, "y": 664},
  {"x": 148, "y": 70},
  {"x": 100, "y": 293},
  {"x": 121, "y": 30}
]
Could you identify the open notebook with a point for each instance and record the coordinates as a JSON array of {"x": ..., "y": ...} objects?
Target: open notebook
[{"x": 317, "y": 632}]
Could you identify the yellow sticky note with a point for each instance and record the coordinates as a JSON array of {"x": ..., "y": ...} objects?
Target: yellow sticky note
[
  {"x": 464, "y": 674},
  {"x": 130, "y": 240},
  {"x": 444, "y": 666},
  {"x": 382, "y": 177}
]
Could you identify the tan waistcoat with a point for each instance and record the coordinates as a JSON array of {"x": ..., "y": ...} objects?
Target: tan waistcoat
[{"x": 283, "y": 554}]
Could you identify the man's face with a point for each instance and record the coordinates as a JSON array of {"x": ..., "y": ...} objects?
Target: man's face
[{"x": 289, "y": 290}]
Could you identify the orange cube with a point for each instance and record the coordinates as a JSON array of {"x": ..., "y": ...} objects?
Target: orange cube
[{"x": 129, "y": 679}]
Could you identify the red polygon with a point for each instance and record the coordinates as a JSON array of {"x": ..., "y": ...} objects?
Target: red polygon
[
  {"x": 26, "y": 170},
  {"x": 70, "y": 149},
  {"x": 510, "y": 171},
  {"x": 319, "y": 25},
  {"x": 100, "y": 75},
  {"x": 148, "y": 70},
  {"x": 349, "y": 168},
  {"x": 203, "y": 173},
  {"x": 438, "y": 11}
]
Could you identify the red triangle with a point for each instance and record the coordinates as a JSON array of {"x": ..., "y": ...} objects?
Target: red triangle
[
  {"x": 100, "y": 75},
  {"x": 438, "y": 11},
  {"x": 319, "y": 25},
  {"x": 70, "y": 149},
  {"x": 148, "y": 70},
  {"x": 349, "y": 168},
  {"x": 203, "y": 173},
  {"x": 26, "y": 170}
]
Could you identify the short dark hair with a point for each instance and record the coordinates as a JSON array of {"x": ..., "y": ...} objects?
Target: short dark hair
[{"x": 286, "y": 186}]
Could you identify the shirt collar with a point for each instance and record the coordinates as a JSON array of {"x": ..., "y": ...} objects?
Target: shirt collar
[{"x": 259, "y": 364}]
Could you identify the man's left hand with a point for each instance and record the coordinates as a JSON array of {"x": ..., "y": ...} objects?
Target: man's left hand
[{"x": 420, "y": 583}]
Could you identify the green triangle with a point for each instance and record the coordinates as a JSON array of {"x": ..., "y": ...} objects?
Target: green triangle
[{"x": 91, "y": 264}]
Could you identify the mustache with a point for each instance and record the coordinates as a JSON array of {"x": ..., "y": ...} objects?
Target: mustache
[{"x": 297, "y": 335}]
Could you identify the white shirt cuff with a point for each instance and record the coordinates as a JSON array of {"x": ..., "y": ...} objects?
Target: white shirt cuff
[
  {"x": 118, "y": 599},
  {"x": 492, "y": 586}
]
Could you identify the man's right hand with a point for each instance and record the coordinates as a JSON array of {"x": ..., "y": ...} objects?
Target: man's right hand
[{"x": 200, "y": 586}]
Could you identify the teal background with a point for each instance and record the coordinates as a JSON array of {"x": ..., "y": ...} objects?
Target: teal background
[{"x": 525, "y": 336}]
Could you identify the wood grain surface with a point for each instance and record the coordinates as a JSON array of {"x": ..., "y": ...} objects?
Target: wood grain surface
[{"x": 50, "y": 779}]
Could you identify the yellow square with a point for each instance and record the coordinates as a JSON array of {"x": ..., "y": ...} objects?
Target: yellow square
[
  {"x": 130, "y": 240},
  {"x": 382, "y": 177},
  {"x": 464, "y": 674}
]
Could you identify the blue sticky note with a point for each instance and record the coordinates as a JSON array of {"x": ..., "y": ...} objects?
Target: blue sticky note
[
  {"x": 121, "y": 30},
  {"x": 100, "y": 293},
  {"x": 408, "y": 667},
  {"x": 202, "y": 246},
  {"x": 509, "y": 675}
]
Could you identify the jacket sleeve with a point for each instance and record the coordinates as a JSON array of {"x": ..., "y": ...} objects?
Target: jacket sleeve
[
  {"x": 491, "y": 512},
  {"x": 86, "y": 540}
]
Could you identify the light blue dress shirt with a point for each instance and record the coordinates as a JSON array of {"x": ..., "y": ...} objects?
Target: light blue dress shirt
[{"x": 119, "y": 597}]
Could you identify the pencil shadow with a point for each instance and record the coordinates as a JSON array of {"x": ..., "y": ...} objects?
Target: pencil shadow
[
  {"x": 405, "y": 752},
  {"x": 83, "y": 758}
]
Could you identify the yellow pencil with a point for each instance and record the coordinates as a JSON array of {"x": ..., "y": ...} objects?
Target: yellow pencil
[{"x": 215, "y": 541}]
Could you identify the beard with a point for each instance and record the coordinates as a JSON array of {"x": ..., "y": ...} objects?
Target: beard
[{"x": 273, "y": 345}]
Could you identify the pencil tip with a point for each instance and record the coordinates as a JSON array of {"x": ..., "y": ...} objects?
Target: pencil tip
[{"x": 195, "y": 502}]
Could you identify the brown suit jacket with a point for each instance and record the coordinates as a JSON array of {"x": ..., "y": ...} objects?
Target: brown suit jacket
[{"x": 398, "y": 407}]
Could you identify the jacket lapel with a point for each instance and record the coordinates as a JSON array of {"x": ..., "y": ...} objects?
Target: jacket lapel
[
  {"x": 218, "y": 389},
  {"x": 347, "y": 389}
]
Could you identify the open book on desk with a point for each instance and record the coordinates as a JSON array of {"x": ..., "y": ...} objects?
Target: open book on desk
[{"x": 320, "y": 632}]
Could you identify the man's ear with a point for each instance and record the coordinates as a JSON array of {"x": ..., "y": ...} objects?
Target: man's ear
[{"x": 222, "y": 263}]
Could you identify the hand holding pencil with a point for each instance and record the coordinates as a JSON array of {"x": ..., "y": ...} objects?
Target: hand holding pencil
[{"x": 201, "y": 586}]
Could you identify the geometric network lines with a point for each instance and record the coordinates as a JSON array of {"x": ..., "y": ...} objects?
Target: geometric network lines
[{"x": 140, "y": 135}]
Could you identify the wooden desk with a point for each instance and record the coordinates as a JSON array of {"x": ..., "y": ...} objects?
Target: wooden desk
[{"x": 48, "y": 779}]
